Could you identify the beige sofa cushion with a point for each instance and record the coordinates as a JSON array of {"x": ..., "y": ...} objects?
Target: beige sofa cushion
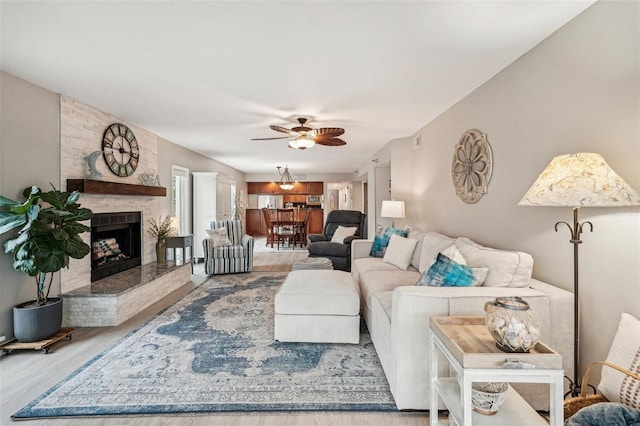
[
  {"x": 432, "y": 244},
  {"x": 375, "y": 281},
  {"x": 506, "y": 268},
  {"x": 418, "y": 235}
]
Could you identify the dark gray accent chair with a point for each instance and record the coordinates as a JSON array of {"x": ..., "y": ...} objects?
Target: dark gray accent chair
[{"x": 320, "y": 245}]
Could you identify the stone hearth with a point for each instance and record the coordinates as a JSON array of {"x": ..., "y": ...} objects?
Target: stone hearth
[{"x": 114, "y": 299}]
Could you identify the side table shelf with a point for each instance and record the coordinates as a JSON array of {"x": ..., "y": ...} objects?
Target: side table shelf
[
  {"x": 470, "y": 351},
  {"x": 182, "y": 241}
]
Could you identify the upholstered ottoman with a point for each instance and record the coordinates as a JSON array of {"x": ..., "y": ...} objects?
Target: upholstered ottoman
[
  {"x": 312, "y": 263},
  {"x": 318, "y": 306}
]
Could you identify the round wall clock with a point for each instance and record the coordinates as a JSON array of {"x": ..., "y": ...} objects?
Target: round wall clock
[{"x": 120, "y": 149}]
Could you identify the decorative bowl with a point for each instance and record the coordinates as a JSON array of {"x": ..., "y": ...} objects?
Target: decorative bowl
[
  {"x": 487, "y": 397},
  {"x": 512, "y": 324}
]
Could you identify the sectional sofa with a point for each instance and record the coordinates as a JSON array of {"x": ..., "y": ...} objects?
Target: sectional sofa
[{"x": 396, "y": 311}]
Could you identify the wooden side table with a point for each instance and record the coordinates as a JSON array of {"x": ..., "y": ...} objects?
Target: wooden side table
[
  {"x": 182, "y": 241},
  {"x": 470, "y": 350}
]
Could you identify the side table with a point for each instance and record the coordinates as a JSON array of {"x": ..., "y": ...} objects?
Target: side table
[
  {"x": 182, "y": 241},
  {"x": 470, "y": 350}
]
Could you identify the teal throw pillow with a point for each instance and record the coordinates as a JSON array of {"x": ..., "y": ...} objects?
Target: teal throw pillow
[
  {"x": 447, "y": 273},
  {"x": 381, "y": 241}
]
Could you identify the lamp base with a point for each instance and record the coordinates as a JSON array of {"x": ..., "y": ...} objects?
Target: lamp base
[{"x": 575, "y": 389}]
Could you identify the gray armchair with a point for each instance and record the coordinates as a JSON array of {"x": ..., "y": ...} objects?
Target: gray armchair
[{"x": 320, "y": 245}]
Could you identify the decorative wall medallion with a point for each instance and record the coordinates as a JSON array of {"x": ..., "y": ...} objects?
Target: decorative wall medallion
[
  {"x": 121, "y": 150},
  {"x": 472, "y": 166}
]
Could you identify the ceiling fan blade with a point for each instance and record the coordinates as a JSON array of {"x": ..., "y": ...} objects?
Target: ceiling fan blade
[
  {"x": 327, "y": 132},
  {"x": 330, "y": 142},
  {"x": 283, "y": 130},
  {"x": 270, "y": 139}
]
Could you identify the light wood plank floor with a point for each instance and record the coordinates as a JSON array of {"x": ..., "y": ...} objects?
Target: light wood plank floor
[{"x": 24, "y": 375}]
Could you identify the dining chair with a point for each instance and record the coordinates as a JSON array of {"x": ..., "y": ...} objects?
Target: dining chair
[
  {"x": 284, "y": 231},
  {"x": 302, "y": 226},
  {"x": 270, "y": 226}
]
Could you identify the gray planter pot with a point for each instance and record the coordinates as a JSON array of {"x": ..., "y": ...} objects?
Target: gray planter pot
[{"x": 35, "y": 323}]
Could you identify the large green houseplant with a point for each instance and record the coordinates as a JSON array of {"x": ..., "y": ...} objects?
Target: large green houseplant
[{"x": 48, "y": 236}]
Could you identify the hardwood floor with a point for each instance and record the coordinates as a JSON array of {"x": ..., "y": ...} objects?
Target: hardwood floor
[{"x": 24, "y": 375}]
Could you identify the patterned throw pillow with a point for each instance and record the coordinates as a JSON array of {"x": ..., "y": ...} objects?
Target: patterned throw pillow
[
  {"x": 625, "y": 353},
  {"x": 447, "y": 273},
  {"x": 219, "y": 237},
  {"x": 381, "y": 241}
]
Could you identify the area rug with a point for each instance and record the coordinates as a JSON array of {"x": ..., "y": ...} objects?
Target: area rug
[{"x": 214, "y": 351}]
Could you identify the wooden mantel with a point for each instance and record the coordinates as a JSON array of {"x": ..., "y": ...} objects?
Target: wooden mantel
[{"x": 89, "y": 186}]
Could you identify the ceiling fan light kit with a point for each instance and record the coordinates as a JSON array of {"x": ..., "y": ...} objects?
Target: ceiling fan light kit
[
  {"x": 303, "y": 137},
  {"x": 302, "y": 142}
]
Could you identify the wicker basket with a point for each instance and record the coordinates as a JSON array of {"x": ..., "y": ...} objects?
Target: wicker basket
[{"x": 572, "y": 405}]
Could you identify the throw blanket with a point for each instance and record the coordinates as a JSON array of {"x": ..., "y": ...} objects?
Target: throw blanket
[{"x": 605, "y": 413}]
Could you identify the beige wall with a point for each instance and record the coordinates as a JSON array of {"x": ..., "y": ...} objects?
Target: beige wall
[
  {"x": 32, "y": 127},
  {"x": 175, "y": 155},
  {"x": 577, "y": 91},
  {"x": 29, "y": 116}
]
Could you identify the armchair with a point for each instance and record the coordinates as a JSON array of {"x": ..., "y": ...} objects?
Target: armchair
[
  {"x": 320, "y": 245},
  {"x": 237, "y": 257}
]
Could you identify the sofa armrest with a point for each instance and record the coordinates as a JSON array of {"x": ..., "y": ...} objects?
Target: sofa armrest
[
  {"x": 413, "y": 305},
  {"x": 247, "y": 242},
  {"x": 360, "y": 248},
  {"x": 314, "y": 238},
  {"x": 350, "y": 239}
]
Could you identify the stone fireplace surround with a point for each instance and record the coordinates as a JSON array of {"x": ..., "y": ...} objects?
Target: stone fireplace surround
[{"x": 81, "y": 130}]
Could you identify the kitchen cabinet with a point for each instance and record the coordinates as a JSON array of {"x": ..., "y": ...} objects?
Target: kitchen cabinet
[
  {"x": 255, "y": 222},
  {"x": 300, "y": 188},
  {"x": 254, "y": 187},
  {"x": 270, "y": 188},
  {"x": 316, "y": 221},
  {"x": 316, "y": 188}
]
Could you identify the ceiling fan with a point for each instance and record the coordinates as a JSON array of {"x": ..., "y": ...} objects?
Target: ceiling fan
[{"x": 303, "y": 137}]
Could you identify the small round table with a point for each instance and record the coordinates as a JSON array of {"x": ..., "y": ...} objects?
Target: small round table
[{"x": 312, "y": 263}]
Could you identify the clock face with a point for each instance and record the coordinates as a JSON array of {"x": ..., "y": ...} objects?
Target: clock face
[{"x": 120, "y": 149}]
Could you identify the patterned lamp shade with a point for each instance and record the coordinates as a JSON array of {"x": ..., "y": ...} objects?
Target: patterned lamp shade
[{"x": 580, "y": 180}]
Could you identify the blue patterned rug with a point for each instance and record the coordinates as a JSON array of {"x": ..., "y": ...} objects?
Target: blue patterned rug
[{"x": 214, "y": 351}]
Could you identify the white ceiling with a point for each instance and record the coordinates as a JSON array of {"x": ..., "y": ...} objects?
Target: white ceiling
[{"x": 211, "y": 75}]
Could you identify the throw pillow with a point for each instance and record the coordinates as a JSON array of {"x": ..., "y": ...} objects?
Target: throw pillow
[
  {"x": 447, "y": 273},
  {"x": 381, "y": 241},
  {"x": 454, "y": 254},
  {"x": 506, "y": 268},
  {"x": 624, "y": 352},
  {"x": 399, "y": 251},
  {"x": 219, "y": 237},
  {"x": 479, "y": 273},
  {"x": 343, "y": 232},
  {"x": 416, "y": 234},
  {"x": 433, "y": 244}
]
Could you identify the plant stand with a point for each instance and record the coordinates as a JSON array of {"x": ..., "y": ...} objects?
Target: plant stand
[{"x": 42, "y": 345}]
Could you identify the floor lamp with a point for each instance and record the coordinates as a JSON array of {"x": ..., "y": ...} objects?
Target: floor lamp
[{"x": 578, "y": 180}]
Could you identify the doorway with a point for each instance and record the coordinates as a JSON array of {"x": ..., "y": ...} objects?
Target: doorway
[{"x": 180, "y": 198}]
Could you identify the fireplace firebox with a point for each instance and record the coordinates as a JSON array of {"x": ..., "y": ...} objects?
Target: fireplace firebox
[{"x": 115, "y": 243}]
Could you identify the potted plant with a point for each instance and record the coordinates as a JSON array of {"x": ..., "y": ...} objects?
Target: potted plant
[
  {"x": 48, "y": 237},
  {"x": 161, "y": 229}
]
